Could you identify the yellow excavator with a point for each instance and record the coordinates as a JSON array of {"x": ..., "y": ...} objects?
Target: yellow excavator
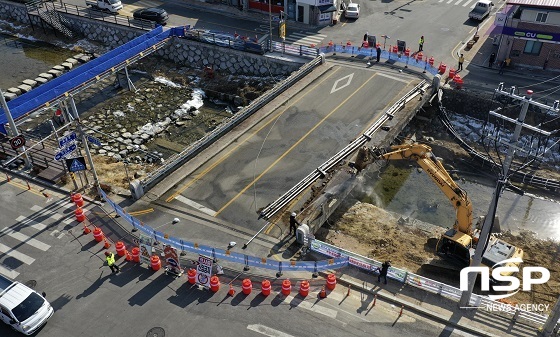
[{"x": 458, "y": 243}]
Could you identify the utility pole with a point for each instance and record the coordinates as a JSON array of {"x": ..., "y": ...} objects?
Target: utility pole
[
  {"x": 84, "y": 140},
  {"x": 13, "y": 128},
  {"x": 502, "y": 179},
  {"x": 548, "y": 328}
]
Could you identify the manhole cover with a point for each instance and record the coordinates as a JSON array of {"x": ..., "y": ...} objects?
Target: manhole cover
[
  {"x": 31, "y": 284},
  {"x": 156, "y": 332}
]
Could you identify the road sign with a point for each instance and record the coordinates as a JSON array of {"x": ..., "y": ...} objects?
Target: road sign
[
  {"x": 66, "y": 139},
  {"x": 94, "y": 140},
  {"x": 172, "y": 259},
  {"x": 76, "y": 164},
  {"x": 17, "y": 142},
  {"x": 65, "y": 151},
  {"x": 145, "y": 249},
  {"x": 204, "y": 270}
]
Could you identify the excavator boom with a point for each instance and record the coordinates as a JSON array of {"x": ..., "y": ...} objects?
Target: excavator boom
[{"x": 422, "y": 154}]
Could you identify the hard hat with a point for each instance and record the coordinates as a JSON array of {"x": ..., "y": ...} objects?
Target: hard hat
[
  {"x": 107, "y": 253},
  {"x": 293, "y": 213}
]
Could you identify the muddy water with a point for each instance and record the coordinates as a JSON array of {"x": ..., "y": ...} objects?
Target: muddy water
[
  {"x": 21, "y": 59},
  {"x": 414, "y": 194}
]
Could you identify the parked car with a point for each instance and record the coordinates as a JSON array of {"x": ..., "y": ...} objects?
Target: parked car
[
  {"x": 352, "y": 11},
  {"x": 158, "y": 15}
]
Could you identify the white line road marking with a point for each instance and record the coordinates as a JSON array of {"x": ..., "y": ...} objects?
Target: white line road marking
[
  {"x": 450, "y": 1},
  {"x": 315, "y": 308},
  {"x": 467, "y": 3},
  {"x": 196, "y": 205},
  {"x": 347, "y": 78},
  {"x": 30, "y": 223},
  {"x": 15, "y": 254},
  {"x": 264, "y": 330},
  {"x": 393, "y": 78},
  {"x": 56, "y": 216},
  {"x": 26, "y": 239},
  {"x": 458, "y": 2},
  {"x": 8, "y": 272}
]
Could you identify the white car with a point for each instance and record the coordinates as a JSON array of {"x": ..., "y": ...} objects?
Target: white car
[{"x": 352, "y": 11}]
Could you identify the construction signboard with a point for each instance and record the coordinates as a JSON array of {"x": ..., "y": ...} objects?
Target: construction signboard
[{"x": 204, "y": 270}]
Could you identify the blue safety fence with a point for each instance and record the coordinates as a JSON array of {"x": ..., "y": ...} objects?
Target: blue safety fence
[
  {"x": 226, "y": 255},
  {"x": 63, "y": 85},
  {"x": 401, "y": 59}
]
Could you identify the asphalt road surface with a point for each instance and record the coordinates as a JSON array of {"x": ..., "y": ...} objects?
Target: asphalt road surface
[
  {"x": 90, "y": 301},
  {"x": 290, "y": 143}
]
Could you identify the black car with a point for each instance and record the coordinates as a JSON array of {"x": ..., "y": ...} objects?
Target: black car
[{"x": 158, "y": 15}]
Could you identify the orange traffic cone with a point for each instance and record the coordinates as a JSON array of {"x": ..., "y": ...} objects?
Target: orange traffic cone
[
  {"x": 107, "y": 245},
  {"x": 323, "y": 293},
  {"x": 86, "y": 230},
  {"x": 128, "y": 255},
  {"x": 231, "y": 291}
]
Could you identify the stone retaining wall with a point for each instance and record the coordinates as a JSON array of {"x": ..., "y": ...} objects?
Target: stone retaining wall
[{"x": 181, "y": 51}]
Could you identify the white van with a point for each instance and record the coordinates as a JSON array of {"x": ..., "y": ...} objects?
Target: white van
[{"x": 23, "y": 308}]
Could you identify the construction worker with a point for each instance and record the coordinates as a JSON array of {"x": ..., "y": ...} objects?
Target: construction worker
[
  {"x": 461, "y": 60},
  {"x": 110, "y": 258},
  {"x": 421, "y": 43},
  {"x": 293, "y": 223},
  {"x": 383, "y": 271}
]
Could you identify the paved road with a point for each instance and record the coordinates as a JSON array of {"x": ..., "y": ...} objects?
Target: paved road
[
  {"x": 89, "y": 301},
  {"x": 290, "y": 143}
]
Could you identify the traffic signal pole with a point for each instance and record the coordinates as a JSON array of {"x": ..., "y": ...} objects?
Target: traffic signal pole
[{"x": 13, "y": 127}]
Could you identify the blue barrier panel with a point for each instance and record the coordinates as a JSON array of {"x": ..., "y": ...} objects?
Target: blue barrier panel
[{"x": 217, "y": 253}]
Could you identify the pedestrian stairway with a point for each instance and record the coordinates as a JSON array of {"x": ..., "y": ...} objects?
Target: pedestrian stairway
[
  {"x": 48, "y": 14},
  {"x": 305, "y": 39},
  {"x": 20, "y": 243}
]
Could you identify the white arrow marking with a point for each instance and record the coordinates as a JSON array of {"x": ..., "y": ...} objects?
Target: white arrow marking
[
  {"x": 347, "y": 78},
  {"x": 267, "y": 331}
]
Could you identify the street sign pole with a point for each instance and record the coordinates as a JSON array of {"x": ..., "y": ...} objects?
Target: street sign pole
[
  {"x": 13, "y": 127},
  {"x": 84, "y": 140}
]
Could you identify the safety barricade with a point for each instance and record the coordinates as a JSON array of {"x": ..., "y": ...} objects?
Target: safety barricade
[
  {"x": 265, "y": 287},
  {"x": 286, "y": 287},
  {"x": 191, "y": 275},
  {"x": 98, "y": 234},
  {"x": 80, "y": 216},
  {"x": 304, "y": 288},
  {"x": 246, "y": 286},
  {"x": 155, "y": 262},
  {"x": 136, "y": 254},
  {"x": 77, "y": 199},
  {"x": 214, "y": 284},
  {"x": 331, "y": 281},
  {"x": 120, "y": 247}
]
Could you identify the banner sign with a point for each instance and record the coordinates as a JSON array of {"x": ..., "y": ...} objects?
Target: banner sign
[
  {"x": 145, "y": 243},
  {"x": 530, "y": 34}
]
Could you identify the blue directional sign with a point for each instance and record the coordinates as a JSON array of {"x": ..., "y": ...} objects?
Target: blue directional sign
[
  {"x": 76, "y": 164},
  {"x": 66, "y": 139},
  {"x": 94, "y": 140},
  {"x": 64, "y": 152}
]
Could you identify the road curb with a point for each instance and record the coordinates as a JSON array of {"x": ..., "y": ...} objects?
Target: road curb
[{"x": 412, "y": 307}]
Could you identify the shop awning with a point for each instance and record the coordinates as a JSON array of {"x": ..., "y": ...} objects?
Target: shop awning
[{"x": 327, "y": 9}]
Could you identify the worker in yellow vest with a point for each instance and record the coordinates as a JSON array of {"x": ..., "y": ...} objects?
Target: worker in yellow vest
[{"x": 110, "y": 258}]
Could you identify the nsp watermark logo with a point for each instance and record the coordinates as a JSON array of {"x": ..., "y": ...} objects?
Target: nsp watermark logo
[{"x": 502, "y": 272}]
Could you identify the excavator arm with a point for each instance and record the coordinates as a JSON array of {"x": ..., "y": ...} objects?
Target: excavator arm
[{"x": 422, "y": 154}]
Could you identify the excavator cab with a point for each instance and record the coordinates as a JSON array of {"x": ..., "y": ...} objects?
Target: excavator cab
[{"x": 455, "y": 246}]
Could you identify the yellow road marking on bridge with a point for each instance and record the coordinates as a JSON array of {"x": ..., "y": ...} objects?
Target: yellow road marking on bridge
[
  {"x": 225, "y": 156},
  {"x": 293, "y": 146}
]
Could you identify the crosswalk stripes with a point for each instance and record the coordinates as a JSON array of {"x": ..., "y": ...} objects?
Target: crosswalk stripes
[
  {"x": 129, "y": 9},
  {"x": 459, "y": 2},
  {"x": 17, "y": 241},
  {"x": 305, "y": 39}
]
